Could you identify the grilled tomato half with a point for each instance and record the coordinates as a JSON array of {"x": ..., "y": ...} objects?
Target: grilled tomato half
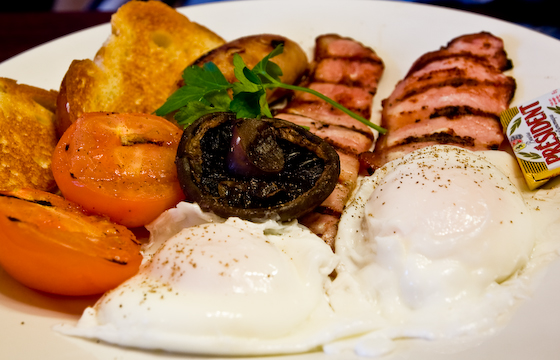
[
  {"x": 119, "y": 165},
  {"x": 53, "y": 245}
]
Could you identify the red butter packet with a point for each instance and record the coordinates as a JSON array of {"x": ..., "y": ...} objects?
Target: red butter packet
[{"x": 533, "y": 131}]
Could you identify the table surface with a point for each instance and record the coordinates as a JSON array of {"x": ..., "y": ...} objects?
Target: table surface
[{"x": 22, "y": 31}]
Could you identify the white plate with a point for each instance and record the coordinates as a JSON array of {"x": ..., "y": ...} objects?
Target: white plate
[{"x": 399, "y": 32}]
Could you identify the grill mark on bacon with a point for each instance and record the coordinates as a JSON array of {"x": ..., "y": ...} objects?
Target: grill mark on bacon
[
  {"x": 451, "y": 112},
  {"x": 454, "y": 112},
  {"x": 446, "y": 55},
  {"x": 486, "y": 97},
  {"x": 467, "y": 130},
  {"x": 482, "y": 46},
  {"x": 353, "y": 98},
  {"x": 452, "y": 72},
  {"x": 340, "y": 137},
  {"x": 450, "y": 96},
  {"x": 475, "y": 66},
  {"x": 457, "y": 82},
  {"x": 448, "y": 137},
  {"x": 361, "y": 72},
  {"x": 326, "y": 114},
  {"x": 348, "y": 72}
]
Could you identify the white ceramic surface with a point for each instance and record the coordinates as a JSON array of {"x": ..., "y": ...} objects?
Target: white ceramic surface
[{"x": 399, "y": 32}]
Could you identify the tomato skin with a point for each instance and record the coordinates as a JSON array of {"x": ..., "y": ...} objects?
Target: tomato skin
[
  {"x": 52, "y": 245},
  {"x": 119, "y": 165}
]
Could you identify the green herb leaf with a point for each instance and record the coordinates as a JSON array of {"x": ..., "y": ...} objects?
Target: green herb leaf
[
  {"x": 206, "y": 85},
  {"x": 206, "y": 91},
  {"x": 207, "y": 78},
  {"x": 247, "y": 82},
  {"x": 179, "y": 99},
  {"x": 267, "y": 71},
  {"x": 270, "y": 72},
  {"x": 192, "y": 111},
  {"x": 248, "y": 105}
]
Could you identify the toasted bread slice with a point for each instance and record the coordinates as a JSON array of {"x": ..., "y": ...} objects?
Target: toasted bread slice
[
  {"x": 139, "y": 65},
  {"x": 27, "y": 136}
]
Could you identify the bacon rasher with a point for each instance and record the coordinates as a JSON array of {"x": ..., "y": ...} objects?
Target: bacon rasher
[
  {"x": 450, "y": 96},
  {"x": 347, "y": 72}
]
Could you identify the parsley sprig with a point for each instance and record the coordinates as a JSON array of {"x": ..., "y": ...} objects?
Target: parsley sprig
[{"x": 206, "y": 91}]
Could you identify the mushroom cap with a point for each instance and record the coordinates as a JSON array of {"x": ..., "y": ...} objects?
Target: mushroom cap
[{"x": 308, "y": 176}]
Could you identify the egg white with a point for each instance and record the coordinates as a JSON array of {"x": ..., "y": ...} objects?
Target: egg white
[
  {"x": 447, "y": 243},
  {"x": 224, "y": 287}
]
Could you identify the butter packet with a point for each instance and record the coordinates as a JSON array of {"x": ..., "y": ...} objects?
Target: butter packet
[{"x": 533, "y": 132}]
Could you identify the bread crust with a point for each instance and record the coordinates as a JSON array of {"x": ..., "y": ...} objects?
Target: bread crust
[
  {"x": 138, "y": 66},
  {"x": 27, "y": 136}
]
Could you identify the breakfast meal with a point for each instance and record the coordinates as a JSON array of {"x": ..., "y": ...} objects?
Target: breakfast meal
[{"x": 241, "y": 198}]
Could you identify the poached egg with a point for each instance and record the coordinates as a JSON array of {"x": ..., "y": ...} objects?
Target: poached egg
[{"x": 224, "y": 287}]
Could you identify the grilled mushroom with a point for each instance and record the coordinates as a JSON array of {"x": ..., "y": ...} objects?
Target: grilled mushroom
[{"x": 255, "y": 169}]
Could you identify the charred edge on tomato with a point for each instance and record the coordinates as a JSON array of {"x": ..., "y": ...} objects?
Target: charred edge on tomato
[
  {"x": 133, "y": 239},
  {"x": 131, "y": 141},
  {"x": 119, "y": 262},
  {"x": 38, "y": 202}
]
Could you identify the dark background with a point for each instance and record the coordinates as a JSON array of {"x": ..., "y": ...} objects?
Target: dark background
[{"x": 28, "y": 23}]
